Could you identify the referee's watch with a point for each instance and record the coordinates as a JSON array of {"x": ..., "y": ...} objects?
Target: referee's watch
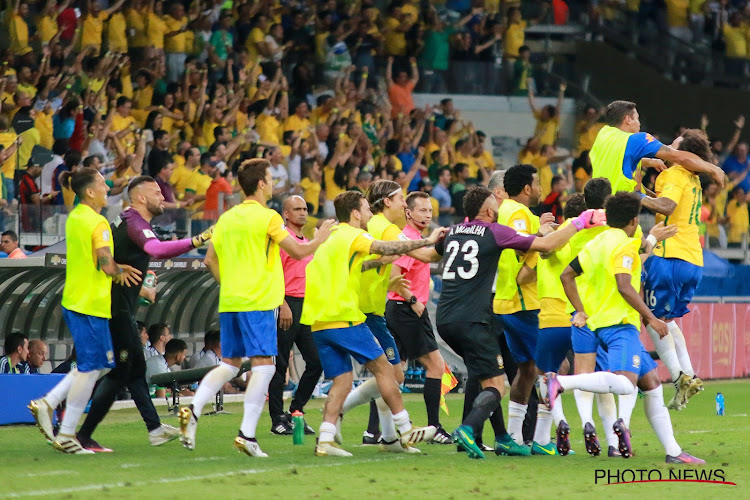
[{"x": 413, "y": 300}]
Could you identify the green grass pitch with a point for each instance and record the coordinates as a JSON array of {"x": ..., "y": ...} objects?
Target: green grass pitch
[{"x": 31, "y": 468}]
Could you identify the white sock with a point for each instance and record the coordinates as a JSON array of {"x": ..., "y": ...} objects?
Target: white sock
[
  {"x": 667, "y": 352},
  {"x": 387, "y": 425},
  {"x": 605, "y": 403},
  {"x": 543, "y": 425},
  {"x": 326, "y": 432},
  {"x": 255, "y": 398},
  {"x": 516, "y": 414},
  {"x": 58, "y": 393},
  {"x": 627, "y": 403},
  {"x": 78, "y": 397},
  {"x": 601, "y": 382},
  {"x": 362, "y": 395},
  {"x": 558, "y": 413},
  {"x": 585, "y": 404},
  {"x": 401, "y": 419},
  {"x": 212, "y": 383},
  {"x": 681, "y": 347},
  {"x": 658, "y": 417}
]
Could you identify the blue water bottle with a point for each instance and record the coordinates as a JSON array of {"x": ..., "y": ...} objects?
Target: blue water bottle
[{"x": 719, "y": 404}]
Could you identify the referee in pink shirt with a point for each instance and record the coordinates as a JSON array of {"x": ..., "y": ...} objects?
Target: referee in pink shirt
[
  {"x": 290, "y": 330},
  {"x": 407, "y": 316}
]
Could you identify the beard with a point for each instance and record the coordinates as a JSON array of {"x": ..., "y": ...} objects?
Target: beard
[{"x": 155, "y": 209}]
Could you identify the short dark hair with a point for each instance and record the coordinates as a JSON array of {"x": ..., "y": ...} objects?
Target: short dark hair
[
  {"x": 158, "y": 134},
  {"x": 556, "y": 179},
  {"x": 212, "y": 338},
  {"x": 412, "y": 198},
  {"x": 155, "y": 332},
  {"x": 517, "y": 178},
  {"x": 205, "y": 158},
  {"x": 378, "y": 192},
  {"x": 459, "y": 168},
  {"x": 219, "y": 130},
  {"x": 141, "y": 179},
  {"x": 122, "y": 100},
  {"x": 175, "y": 346},
  {"x": 696, "y": 141},
  {"x": 474, "y": 199},
  {"x": 250, "y": 173},
  {"x": 524, "y": 48},
  {"x": 13, "y": 341},
  {"x": 621, "y": 208},
  {"x": 60, "y": 147},
  {"x": 345, "y": 203},
  {"x": 141, "y": 326},
  {"x": 72, "y": 158},
  {"x": 11, "y": 234},
  {"x": 596, "y": 191},
  {"x": 80, "y": 180},
  {"x": 575, "y": 206},
  {"x": 617, "y": 111}
]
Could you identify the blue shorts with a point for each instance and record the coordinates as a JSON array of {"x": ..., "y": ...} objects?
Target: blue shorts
[
  {"x": 379, "y": 329},
  {"x": 551, "y": 348},
  {"x": 521, "y": 330},
  {"x": 625, "y": 352},
  {"x": 583, "y": 340},
  {"x": 670, "y": 285},
  {"x": 92, "y": 341},
  {"x": 248, "y": 333},
  {"x": 337, "y": 346}
]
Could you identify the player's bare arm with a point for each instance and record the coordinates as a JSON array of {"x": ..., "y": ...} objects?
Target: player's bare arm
[
  {"x": 663, "y": 206},
  {"x": 568, "y": 280},
  {"x": 382, "y": 261},
  {"x": 299, "y": 251},
  {"x": 123, "y": 274},
  {"x": 659, "y": 232},
  {"x": 402, "y": 247},
  {"x": 691, "y": 162},
  {"x": 526, "y": 275},
  {"x": 636, "y": 302},
  {"x": 212, "y": 262}
]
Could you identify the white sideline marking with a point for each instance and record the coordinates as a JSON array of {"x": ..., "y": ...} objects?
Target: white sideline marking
[
  {"x": 206, "y": 459},
  {"x": 739, "y": 415},
  {"x": 50, "y": 473},
  {"x": 130, "y": 466},
  {"x": 167, "y": 480}
]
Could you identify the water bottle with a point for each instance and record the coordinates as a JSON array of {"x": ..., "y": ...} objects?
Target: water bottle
[
  {"x": 148, "y": 282},
  {"x": 719, "y": 404},
  {"x": 298, "y": 424}
]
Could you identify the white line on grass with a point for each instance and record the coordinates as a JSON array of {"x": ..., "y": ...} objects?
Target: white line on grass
[
  {"x": 167, "y": 480},
  {"x": 50, "y": 473}
]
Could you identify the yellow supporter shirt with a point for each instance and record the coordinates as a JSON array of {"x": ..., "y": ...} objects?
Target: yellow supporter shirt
[
  {"x": 180, "y": 179},
  {"x": 684, "y": 188},
  {"x": 91, "y": 32},
  {"x": 247, "y": 237},
  {"x": 269, "y": 129},
  {"x": 473, "y": 168},
  {"x": 117, "y": 33},
  {"x": 19, "y": 35},
  {"x": 156, "y": 29},
  {"x": 515, "y": 37},
  {"x": 738, "y": 221},
  {"x": 198, "y": 184},
  {"x": 296, "y": 124},
  {"x": 46, "y": 28},
  {"x": 677, "y": 13},
  {"x": 486, "y": 160},
  {"x": 546, "y": 130},
  {"x": 142, "y": 97},
  {"x": 255, "y": 38},
  {"x": 177, "y": 43},
  {"x": 332, "y": 189},
  {"x": 395, "y": 41},
  {"x": 9, "y": 167},
  {"x": 43, "y": 123},
  {"x": 137, "y": 37},
  {"x": 587, "y": 134},
  {"x": 736, "y": 43},
  {"x": 311, "y": 193}
]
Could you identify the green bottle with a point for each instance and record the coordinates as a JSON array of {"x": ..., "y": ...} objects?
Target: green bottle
[{"x": 298, "y": 424}]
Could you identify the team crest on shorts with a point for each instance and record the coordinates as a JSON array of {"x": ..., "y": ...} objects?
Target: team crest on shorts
[
  {"x": 110, "y": 357},
  {"x": 500, "y": 362},
  {"x": 390, "y": 353},
  {"x": 124, "y": 356},
  {"x": 636, "y": 361}
]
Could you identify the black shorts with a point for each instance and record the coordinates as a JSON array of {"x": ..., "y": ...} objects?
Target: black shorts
[
  {"x": 414, "y": 335},
  {"x": 130, "y": 363},
  {"x": 478, "y": 345}
]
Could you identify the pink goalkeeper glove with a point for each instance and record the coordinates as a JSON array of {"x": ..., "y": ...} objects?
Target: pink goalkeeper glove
[{"x": 590, "y": 218}]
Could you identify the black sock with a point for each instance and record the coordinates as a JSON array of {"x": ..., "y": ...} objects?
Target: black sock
[
  {"x": 240, "y": 434},
  {"x": 373, "y": 425},
  {"x": 486, "y": 403},
  {"x": 432, "y": 400},
  {"x": 471, "y": 392},
  {"x": 498, "y": 422}
]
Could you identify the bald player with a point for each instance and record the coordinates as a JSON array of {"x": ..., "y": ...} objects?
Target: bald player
[{"x": 290, "y": 330}]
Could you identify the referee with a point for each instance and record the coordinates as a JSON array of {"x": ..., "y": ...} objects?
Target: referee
[
  {"x": 291, "y": 331},
  {"x": 135, "y": 244}
]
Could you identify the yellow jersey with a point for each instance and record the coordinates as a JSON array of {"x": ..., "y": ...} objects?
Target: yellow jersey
[
  {"x": 738, "y": 221},
  {"x": 311, "y": 193},
  {"x": 180, "y": 179},
  {"x": 514, "y": 39},
  {"x": 9, "y": 167},
  {"x": 684, "y": 188},
  {"x": 546, "y": 130},
  {"x": 332, "y": 189},
  {"x": 117, "y": 40},
  {"x": 296, "y": 124},
  {"x": 375, "y": 281},
  {"x": 247, "y": 237},
  {"x": 554, "y": 304},
  {"x": 88, "y": 289},
  {"x": 137, "y": 37},
  {"x": 612, "y": 252},
  {"x": 177, "y": 43},
  {"x": 91, "y": 32},
  {"x": 509, "y": 296}
]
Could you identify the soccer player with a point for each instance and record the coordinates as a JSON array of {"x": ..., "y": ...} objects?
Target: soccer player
[
  {"x": 291, "y": 331},
  {"x": 473, "y": 249},
  {"x": 611, "y": 307},
  {"x": 674, "y": 271},
  {"x": 134, "y": 244},
  {"x": 333, "y": 309},
  {"x": 86, "y": 304},
  {"x": 407, "y": 315},
  {"x": 247, "y": 239},
  {"x": 620, "y": 147},
  {"x": 516, "y": 303}
]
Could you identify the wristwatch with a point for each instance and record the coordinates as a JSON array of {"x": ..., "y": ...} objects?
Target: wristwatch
[{"x": 413, "y": 300}]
